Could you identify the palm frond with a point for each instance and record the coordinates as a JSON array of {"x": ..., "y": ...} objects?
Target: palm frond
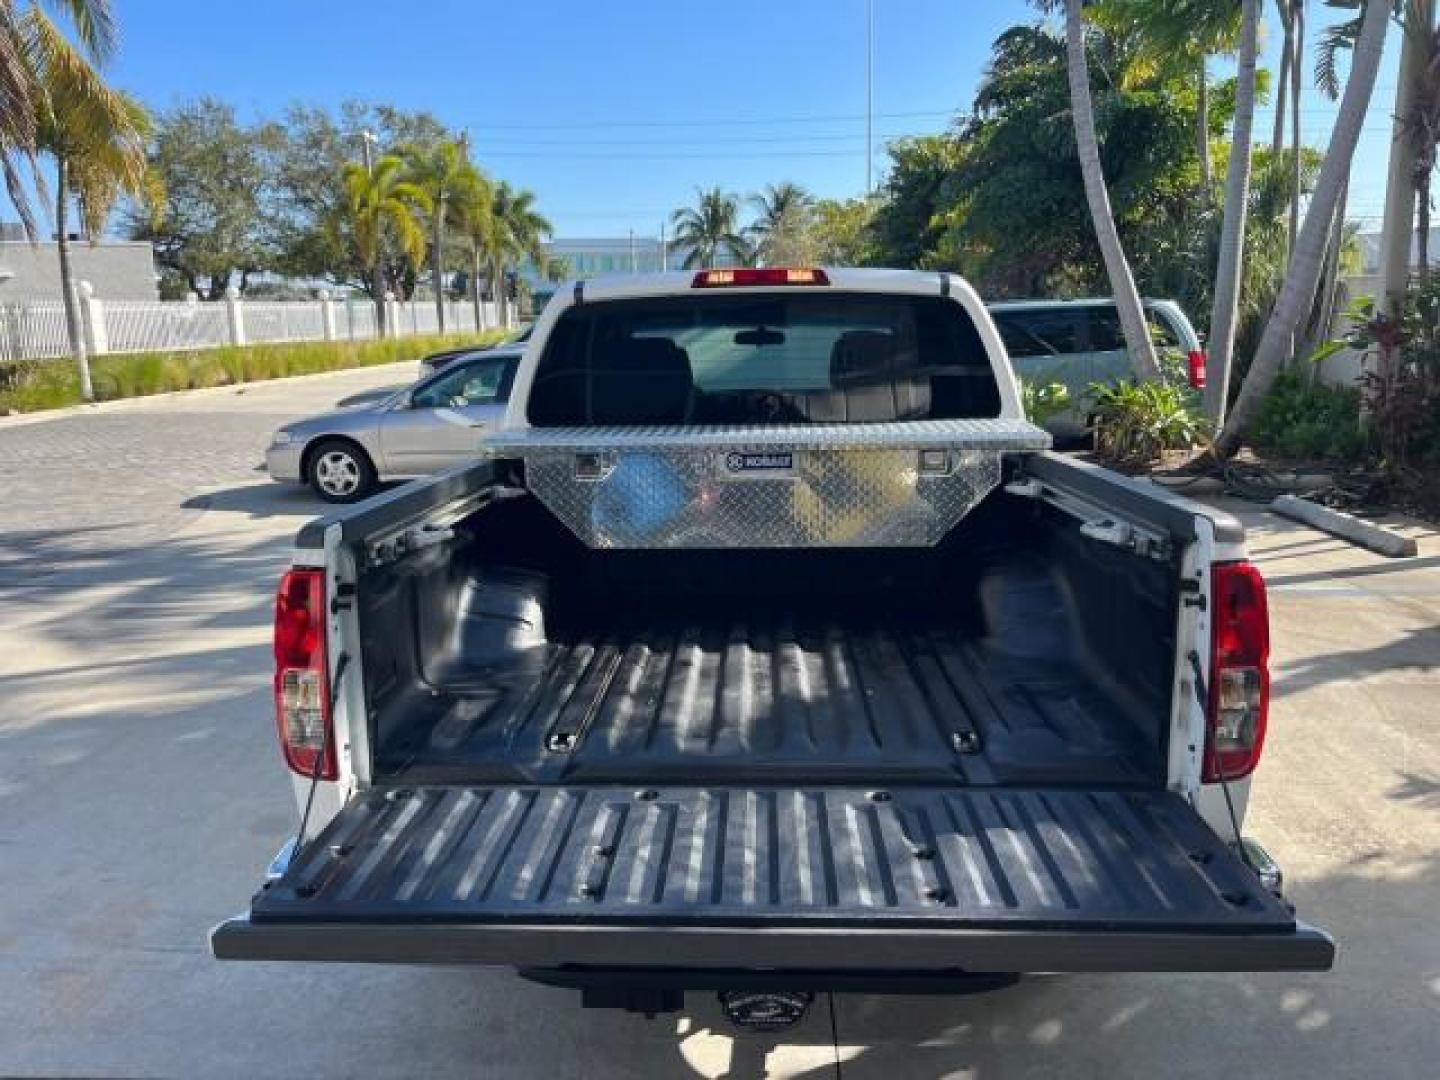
[
  {"x": 17, "y": 114},
  {"x": 1334, "y": 40},
  {"x": 94, "y": 23}
]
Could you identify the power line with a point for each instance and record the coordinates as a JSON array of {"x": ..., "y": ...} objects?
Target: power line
[
  {"x": 833, "y": 118},
  {"x": 702, "y": 140},
  {"x": 719, "y": 155}
]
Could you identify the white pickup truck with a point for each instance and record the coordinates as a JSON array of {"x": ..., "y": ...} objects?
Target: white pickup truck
[{"x": 770, "y": 652}]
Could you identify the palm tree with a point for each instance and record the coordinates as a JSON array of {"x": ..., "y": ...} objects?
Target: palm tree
[
  {"x": 21, "y": 91},
  {"x": 710, "y": 228},
  {"x": 782, "y": 227},
  {"x": 475, "y": 208},
  {"x": 1422, "y": 122},
  {"x": 1301, "y": 281},
  {"x": 1177, "y": 37},
  {"x": 381, "y": 208},
  {"x": 1417, "y": 17},
  {"x": 520, "y": 232},
  {"x": 1415, "y": 134},
  {"x": 1122, "y": 281},
  {"x": 97, "y": 138},
  {"x": 442, "y": 171},
  {"x": 1226, "y": 302},
  {"x": 1296, "y": 32}
]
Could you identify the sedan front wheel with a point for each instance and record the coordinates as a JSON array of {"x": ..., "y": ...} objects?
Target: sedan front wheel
[{"x": 340, "y": 472}]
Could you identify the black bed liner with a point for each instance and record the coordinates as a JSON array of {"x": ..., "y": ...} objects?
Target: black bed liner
[
  {"x": 1043, "y": 858},
  {"x": 774, "y": 879},
  {"x": 744, "y": 700}
]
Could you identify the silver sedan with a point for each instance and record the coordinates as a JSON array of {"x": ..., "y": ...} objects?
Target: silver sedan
[{"x": 436, "y": 424}]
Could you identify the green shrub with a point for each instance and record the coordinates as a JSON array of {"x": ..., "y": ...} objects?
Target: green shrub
[
  {"x": 1136, "y": 422},
  {"x": 31, "y": 385},
  {"x": 1304, "y": 419},
  {"x": 48, "y": 385},
  {"x": 1043, "y": 403}
]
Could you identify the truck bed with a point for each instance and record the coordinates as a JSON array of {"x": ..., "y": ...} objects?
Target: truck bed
[{"x": 1018, "y": 652}]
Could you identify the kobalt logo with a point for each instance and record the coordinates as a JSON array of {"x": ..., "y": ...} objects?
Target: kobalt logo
[{"x": 736, "y": 461}]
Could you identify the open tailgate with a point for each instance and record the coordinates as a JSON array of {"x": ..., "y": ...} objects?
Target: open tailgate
[{"x": 774, "y": 877}]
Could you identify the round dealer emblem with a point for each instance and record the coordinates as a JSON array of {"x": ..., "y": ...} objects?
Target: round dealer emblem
[
  {"x": 735, "y": 462},
  {"x": 773, "y": 1010}
]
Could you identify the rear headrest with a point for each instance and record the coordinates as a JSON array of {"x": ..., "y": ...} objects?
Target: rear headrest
[
  {"x": 861, "y": 356},
  {"x": 641, "y": 381},
  {"x": 649, "y": 355}
]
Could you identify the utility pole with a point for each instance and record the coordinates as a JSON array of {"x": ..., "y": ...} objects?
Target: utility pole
[{"x": 869, "y": 92}]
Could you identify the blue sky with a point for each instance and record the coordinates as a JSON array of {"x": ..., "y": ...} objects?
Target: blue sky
[{"x": 614, "y": 112}]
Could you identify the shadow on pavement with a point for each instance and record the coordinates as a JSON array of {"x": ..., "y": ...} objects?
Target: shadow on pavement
[{"x": 1328, "y": 575}]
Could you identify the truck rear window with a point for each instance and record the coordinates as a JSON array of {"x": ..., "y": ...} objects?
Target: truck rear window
[{"x": 746, "y": 359}]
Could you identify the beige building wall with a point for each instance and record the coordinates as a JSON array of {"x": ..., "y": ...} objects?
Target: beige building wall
[{"x": 119, "y": 270}]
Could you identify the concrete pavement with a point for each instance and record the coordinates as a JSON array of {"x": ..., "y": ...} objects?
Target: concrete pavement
[{"x": 141, "y": 794}]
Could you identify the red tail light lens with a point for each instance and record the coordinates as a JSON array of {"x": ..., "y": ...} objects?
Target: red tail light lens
[
  {"x": 742, "y": 276},
  {"x": 1197, "y": 361},
  {"x": 302, "y": 691},
  {"x": 1239, "y": 673}
]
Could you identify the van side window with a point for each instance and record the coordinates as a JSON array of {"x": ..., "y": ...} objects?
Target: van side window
[
  {"x": 1162, "y": 330},
  {"x": 1106, "y": 333},
  {"x": 1038, "y": 333}
]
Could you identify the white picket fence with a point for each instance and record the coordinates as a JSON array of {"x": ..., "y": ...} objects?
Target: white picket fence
[{"x": 35, "y": 329}]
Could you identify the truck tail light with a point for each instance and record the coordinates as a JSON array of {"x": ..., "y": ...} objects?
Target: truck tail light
[
  {"x": 1239, "y": 672},
  {"x": 1197, "y": 361},
  {"x": 302, "y": 691},
  {"x": 742, "y": 276}
]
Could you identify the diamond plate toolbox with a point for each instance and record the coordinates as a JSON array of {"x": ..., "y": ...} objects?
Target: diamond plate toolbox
[{"x": 851, "y": 485}]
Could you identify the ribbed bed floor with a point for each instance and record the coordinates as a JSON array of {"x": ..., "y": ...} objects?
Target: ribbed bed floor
[
  {"x": 823, "y": 701},
  {"x": 1037, "y": 858}
]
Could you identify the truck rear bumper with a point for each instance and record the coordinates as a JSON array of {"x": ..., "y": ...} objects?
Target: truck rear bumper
[{"x": 770, "y": 948}]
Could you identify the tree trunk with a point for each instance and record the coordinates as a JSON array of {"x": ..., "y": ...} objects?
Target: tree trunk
[
  {"x": 377, "y": 290},
  {"x": 497, "y": 287},
  {"x": 1282, "y": 93},
  {"x": 437, "y": 265},
  {"x": 1297, "y": 43},
  {"x": 73, "y": 328},
  {"x": 1202, "y": 134},
  {"x": 475, "y": 294},
  {"x": 1398, "y": 227},
  {"x": 1304, "y": 270},
  {"x": 1322, "y": 315},
  {"x": 1232, "y": 232},
  {"x": 1422, "y": 228},
  {"x": 1122, "y": 282}
]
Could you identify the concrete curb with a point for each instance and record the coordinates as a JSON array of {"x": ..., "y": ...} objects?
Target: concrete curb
[{"x": 1376, "y": 538}]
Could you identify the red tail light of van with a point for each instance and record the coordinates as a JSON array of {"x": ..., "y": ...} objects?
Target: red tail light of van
[{"x": 1197, "y": 361}]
